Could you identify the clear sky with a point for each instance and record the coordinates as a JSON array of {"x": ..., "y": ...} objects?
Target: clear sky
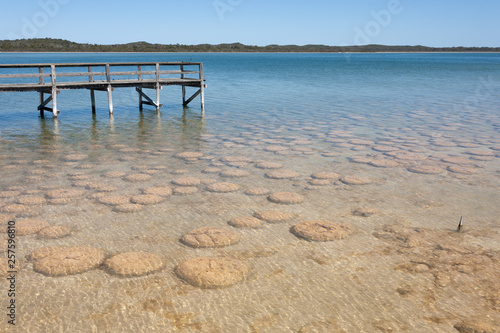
[{"x": 257, "y": 22}]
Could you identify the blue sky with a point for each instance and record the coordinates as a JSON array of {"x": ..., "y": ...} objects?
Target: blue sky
[{"x": 257, "y": 22}]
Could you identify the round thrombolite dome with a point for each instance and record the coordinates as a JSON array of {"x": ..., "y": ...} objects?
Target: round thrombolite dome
[
  {"x": 137, "y": 177},
  {"x": 232, "y": 159},
  {"x": 426, "y": 169},
  {"x": 456, "y": 160},
  {"x": 147, "y": 199},
  {"x": 480, "y": 153},
  {"x": 188, "y": 155},
  {"x": 462, "y": 169},
  {"x": 234, "y": 173},
  {"x": 134, "y": 263},
  {"x": 319, "y": 182},
  {"x": 30, "y": 226},
  {"x": 246, "y": 222},
  {"x": 18, "y": 209},
  {"x": 210, "y": 237},
  {"x": 212, "y": 272},
  {"x": 56, "y": 231},
  {"x": 268, "y": 165},
  {"x": 320, "y": 230},
  {"x": 211, "y": 170},
  {"x": 383, "y": 163},
  {"x": 9, "y": 194},
  {"x": 273, "y": 216},
  {"x": 128, "y": 208},
  {"x": 114, "y": 200},
  {"x": 75, "y": 157},
  {"x": 187, "y": 181},
  {"x": 353, "y": 180},
  {"x": 286, "y": 198},
  {"x": 222, "y": 187},
  {"x": 60, "y": 261},
  {"x": 326, "y": 175},
  {"x": 32, "y": 200},
  {"x": 282, "y": 174},
  {"x": 158, "y": 190}
]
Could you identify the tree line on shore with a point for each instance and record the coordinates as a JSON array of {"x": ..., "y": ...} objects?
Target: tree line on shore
[{"x": 60, "y": 45}]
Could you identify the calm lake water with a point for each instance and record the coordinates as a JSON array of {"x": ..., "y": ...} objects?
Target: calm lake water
[{"x": 386, "y": 152}]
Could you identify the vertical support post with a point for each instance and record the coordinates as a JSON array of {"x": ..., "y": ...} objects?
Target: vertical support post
[
  {"x": 183, "y": 87},
  {"x": 109, "y": 89},
  {"x": 54, "y": 90},
  {"x": 92, "y": 100},
  {"x": 157, "y": 87},
  {"x": 110, "y": 99},
  {"x": 42, "y": 112},
  {"x": 140, "y": 87},
  {"x": 202, "y": 89},
  {"x": 92, "y": 93},
  {"x": 42, "y": 99}
]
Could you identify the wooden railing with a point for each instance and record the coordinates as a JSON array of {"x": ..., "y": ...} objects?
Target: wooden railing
[{"x": 92, "y": 77}]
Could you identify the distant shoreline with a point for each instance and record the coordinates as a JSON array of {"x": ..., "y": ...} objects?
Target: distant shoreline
[
  {"x": 268, "y": 52},
  {"x": 48, "y": 45}
]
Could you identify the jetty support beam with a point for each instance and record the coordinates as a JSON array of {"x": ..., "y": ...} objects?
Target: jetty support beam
[
  {"x": 192, "y": 97},
  {"x": 148, "y": 100},
  {"x": 42, "y": 107}
]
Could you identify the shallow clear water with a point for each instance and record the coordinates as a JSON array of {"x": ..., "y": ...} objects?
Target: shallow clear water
[{"x": 422, "y": 130}]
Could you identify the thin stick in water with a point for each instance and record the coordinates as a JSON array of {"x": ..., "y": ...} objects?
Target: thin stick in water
[{"x": 460, "y": 224}]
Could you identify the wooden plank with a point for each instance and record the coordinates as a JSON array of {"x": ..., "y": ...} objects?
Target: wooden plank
[
  {"x": 85, "y": 64},
  {"x": 80, "y": 74},
  {"x": 25, "y": 75},
  {"x": 96, "y": 84},
  {"x": 69, "y": 74}
]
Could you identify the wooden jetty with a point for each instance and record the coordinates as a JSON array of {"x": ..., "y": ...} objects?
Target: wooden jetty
[{"x": 52, "y": 78}]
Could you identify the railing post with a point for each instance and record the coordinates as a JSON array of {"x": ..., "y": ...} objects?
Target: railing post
[
  {"x": 54, "y": 90},
  {"x": 183, "y": 86},
  {"x": 139, "y": 68},
  {"x": 92, "y": 93}
]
